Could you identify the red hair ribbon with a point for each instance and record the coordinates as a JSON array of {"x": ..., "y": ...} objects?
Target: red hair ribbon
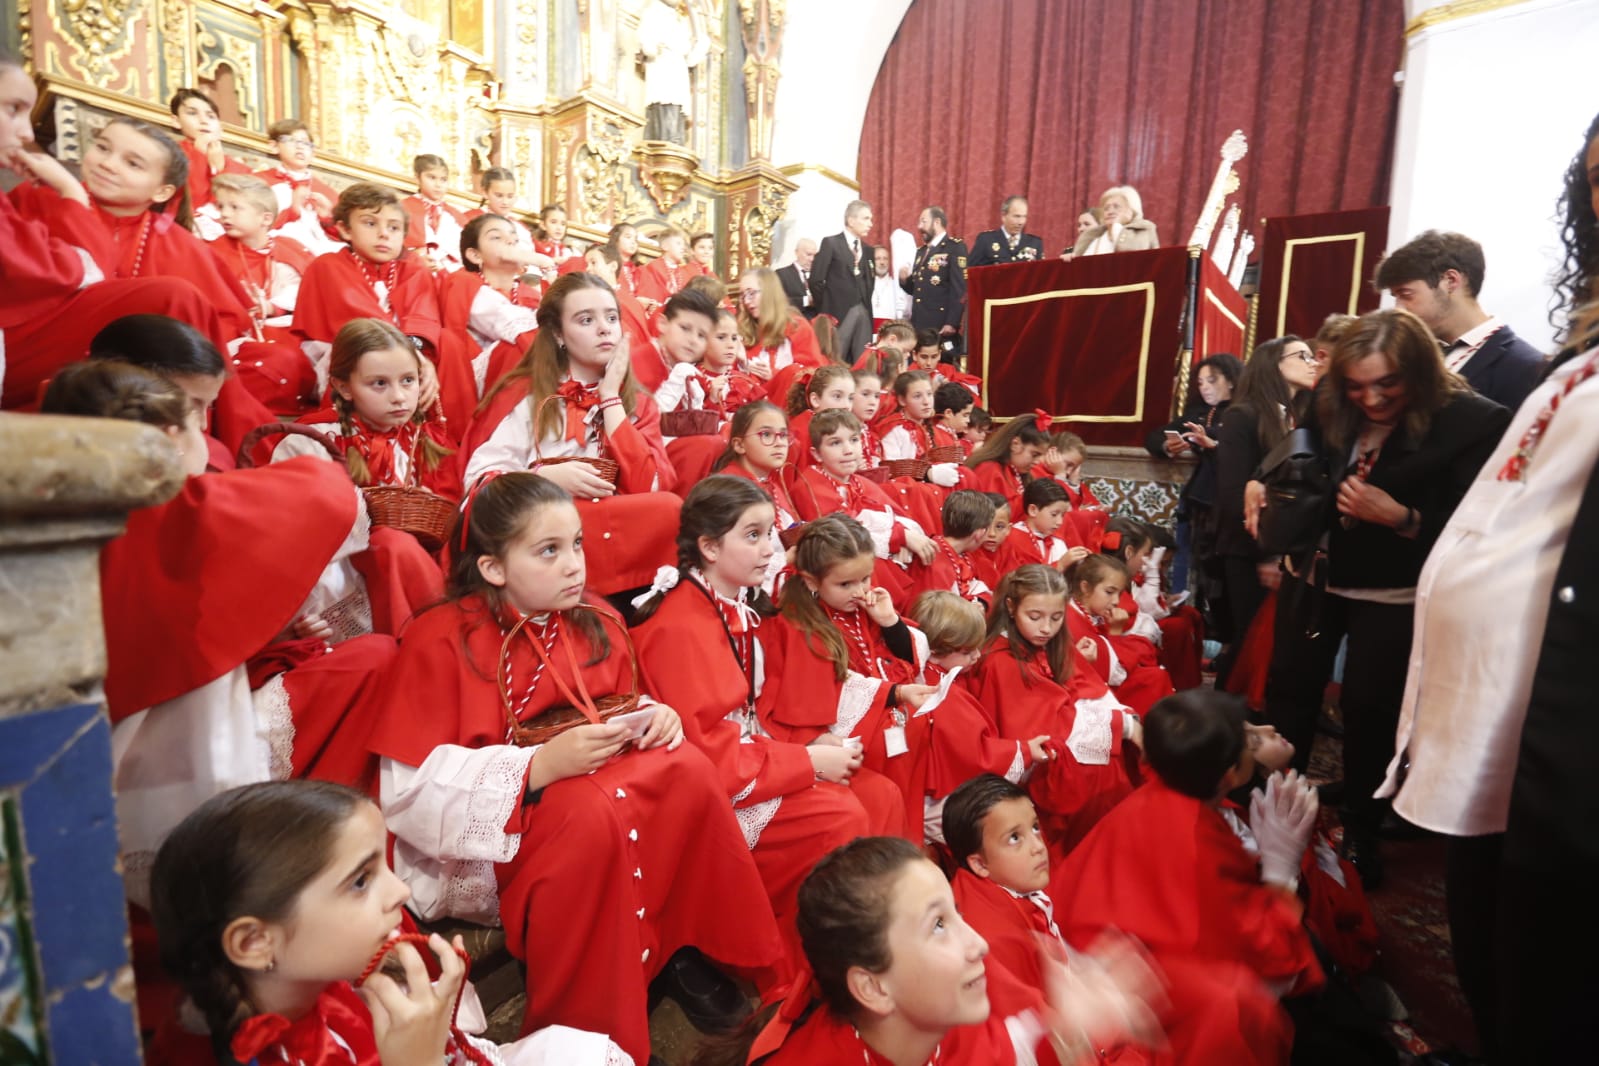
[
  {"x": 1043, "y": 418},
  {"x": 466, "y": 502},
  {"x": 1111, "y": 540}
]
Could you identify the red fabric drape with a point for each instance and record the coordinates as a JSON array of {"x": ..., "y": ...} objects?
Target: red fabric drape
[{"x": 1058, "y": 101}]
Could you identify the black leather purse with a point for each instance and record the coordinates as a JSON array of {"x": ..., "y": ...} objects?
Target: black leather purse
[{"x": 1299, "y": 495}]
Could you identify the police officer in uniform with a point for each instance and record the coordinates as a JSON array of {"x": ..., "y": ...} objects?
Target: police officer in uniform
[
  {"x": 937, "y": 281},
  {"x": 1010, "y": 243}
]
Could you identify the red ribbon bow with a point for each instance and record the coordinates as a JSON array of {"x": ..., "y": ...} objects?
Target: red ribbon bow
[
  {"x": 1043, "y": 419},
  {"x": 584, "y": 398},
  {"x": 797, "y": 997},
  {"x": 1111, "y": 541}
]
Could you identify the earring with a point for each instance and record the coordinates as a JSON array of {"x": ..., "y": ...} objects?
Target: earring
[{"x": 272, "y": 964}]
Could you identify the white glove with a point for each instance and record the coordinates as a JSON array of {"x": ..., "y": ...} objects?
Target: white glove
[
  {"x": 684, "y": 371},
  {"x": 1152, "y": 566},
  {"x": 945, "y": 475},
  {"x": 1282, "y": 819}
]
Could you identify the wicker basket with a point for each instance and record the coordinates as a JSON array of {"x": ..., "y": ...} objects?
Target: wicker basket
[
  {"x": 877, "y": 474},
  {"x": 945, "y": 453},
  {"x": 425, "y": 515},
  {"x": 582, "y": 710},
  {"x": 915, "y": 469},
  {"x": 690, "y": 423},
  {"x": 607, "y": 469},
  {"x": 790, "y": 536}
]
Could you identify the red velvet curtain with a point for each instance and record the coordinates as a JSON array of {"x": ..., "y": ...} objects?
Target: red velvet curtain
[{"x": 1060, "y": 99}]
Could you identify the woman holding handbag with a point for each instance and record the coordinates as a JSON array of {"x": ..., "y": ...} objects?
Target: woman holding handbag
[{"x": 1403, "y": 438}]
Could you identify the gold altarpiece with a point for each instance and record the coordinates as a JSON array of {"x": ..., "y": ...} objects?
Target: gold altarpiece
[{"x": 552, "y": 89}]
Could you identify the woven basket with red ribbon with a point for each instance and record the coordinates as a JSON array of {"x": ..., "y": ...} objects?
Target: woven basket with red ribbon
[
  {"x": 689, "y": 423},
  {"x": 581, "y": 708},
  {"x": 945, "y": 453},
  {"x": 425, "y": 515},
  {"x": 915, "y": 469},
  {"x": 878, "y": 474},
  {"x": 607, "y": 469}
]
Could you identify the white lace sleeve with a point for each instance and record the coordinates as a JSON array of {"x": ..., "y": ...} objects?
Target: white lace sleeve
[
  {"x": 448, "y": 817},
  {"x": 1092, "y": 738},
  {"x": 898, "y": 444},
  {"x": 880, "y": 524},
  {"x": 855, "y": 698},
  {"x": 493, "y": 317},
  {"x": 509, "y": 447},
  {"x": 1145, "y": 626},
  {"x": 558, "y": 1045}
]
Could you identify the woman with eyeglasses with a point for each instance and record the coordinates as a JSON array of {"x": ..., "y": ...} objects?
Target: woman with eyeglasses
[
  {"x": 1265, "y": 406},
  {"x": 775, "y": 334},
  {"x": 1404, "y": 437}
]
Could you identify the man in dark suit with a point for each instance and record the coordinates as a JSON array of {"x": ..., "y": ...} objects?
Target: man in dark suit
[
  {"x": 937, "y": 281},
  {"x": 796, "y": 278},
  {"x": 1437, "y": 278},
  {"x": 1010, "y": 243},
  {"x": 841, "y": 280}
]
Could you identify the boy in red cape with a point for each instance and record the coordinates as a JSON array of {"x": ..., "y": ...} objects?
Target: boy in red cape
[
  {"x": 666, "y": 276},
  {"x": 489, "y": 316},
  {"x": 304, "y": 201},
  {"x": 1166, "y": 867}
]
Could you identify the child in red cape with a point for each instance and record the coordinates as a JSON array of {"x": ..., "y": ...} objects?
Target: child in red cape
[
  {"x": 726, "y": 388},
  {"x": 271, "y": 901},
  {"x": 574, "y": 397},
  {"x": 553, "y": 242},
  {"x": 1182, "y": 627},
  {"x": 966, "y": 516},
  {"x": 985, "y": 559},
  {"x": 965, "y": 740},
  {"x": 827, "y": 388},
  {"x": 499, "y": 198},
  {"x": 1063, "y": 461},
  {"x": 92, "y": 252},
  {"x": 1033, "y": 536},
  {"x": 304, "y": 201},
  {"x": 1125, "y": 660},
  {"x": 487, "y": 316},
  {"x": 1165, "y": 867},
  {"x": 433, "y": 227},
  {"x": 666, "y": 276},
  {"x": 271, "y": 363},
  {"x": 696, "y": 635},
  {"x": 1038, "y": 684},
  {"x": 1004, "y": 461},
  {"x": 374, "y": 378},
  {"x": 868, "y": 398},
  {"x": 913, "y": 430},
  {"x": 897, "y": 976},
  {"x": 757, "y": 447},
  {"x": 603, "y": 850},
  {"x": 372, "y": 278},
  {"x": 775, "y": 334},
  {"x": 841, "y": 668},
  {"x": 201, "y": 129}
]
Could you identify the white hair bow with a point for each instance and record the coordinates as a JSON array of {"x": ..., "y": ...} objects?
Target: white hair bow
[{"x": 665, "y": 581}]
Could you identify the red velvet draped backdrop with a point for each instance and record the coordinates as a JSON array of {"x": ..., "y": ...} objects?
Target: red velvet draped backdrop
[{"x": 1060, "y": 99}]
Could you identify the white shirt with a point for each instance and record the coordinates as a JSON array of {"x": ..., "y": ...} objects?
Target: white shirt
[
  {"x": 889, "y": 300},
  {"x": 1458, "y": 354},
  {"x": 1481, "y": 605}
]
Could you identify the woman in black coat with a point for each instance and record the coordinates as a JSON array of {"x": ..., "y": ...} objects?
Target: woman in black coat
[
  {"x": 1404, "y": 438},
  {"x": 1194, "y": 434},
  {"x": 1262, "y": 413}
]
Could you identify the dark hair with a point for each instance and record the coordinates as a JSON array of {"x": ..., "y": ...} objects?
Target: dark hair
[
  {"x": 364, "y": 196},
  {"x": 999, "y": 499},
  {"x": 1192, "y": 738},
  {"x": 826, "y": 542},
  {"x": 106, "y": 389},
  {"x": 903, "y": 383},
  {"x": 689, "y": 301},
  {"x": 428, "y": 161},
  {"x": 497, "y": 511},
  {"x": 615, "y": 234},
  {"x": 996, "y": 449},
  {"x": 1093, "y": 569},
  {"x": 248, "y": 852},
  {"x": 979, "y": 418},
  {"x": 739, "y": 426},
  {"x": 967, "y": 809},
  {"x": 1227, "y": 365},
  {"x": 545, "y": 364},
  {"x": 285, "y": 126},
  {"x": 1579, "y": 235},
  {"x": 710, "y": 510},
  {"x": 494, "y": 174},
  {"x": 607, "y": 252},
  {"x": 1261, "y": 388},
  {"x": 831, "y": 421},
  {"x": 698, "y": 237},
  {"x": 1333, "y": 329},
  {"x": 176, "y": 173},
  {"x": 965, "y": 512},
  {"x": 939, "y": 215},
  {"x": 1426, "y": 258},
  {"x": 1041, "y": 492},
  {"x": 1033, "y": 579},
  {"x": 354, "y": 339},
  {"x": 927, "y": 338},
  {"x": 1132, "y": 533},
  {"x": 472, "y": 232},
  {"x": 950, "y": 398},
  {"x": 156, "y": 342},
  {"x": 1404, "y": 339},
  {"x": 178, "y": 98},
  {"x": 844, "y": 908}
]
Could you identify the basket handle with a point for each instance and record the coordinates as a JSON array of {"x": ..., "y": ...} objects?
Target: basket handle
[
  {"x": 283, "y": 429},
  {"x": 581, "y": 700}
]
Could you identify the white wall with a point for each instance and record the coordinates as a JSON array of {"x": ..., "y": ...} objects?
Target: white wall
[
  {"x": 832, "y": 50},
  {"x": 1492, "y": 110}
]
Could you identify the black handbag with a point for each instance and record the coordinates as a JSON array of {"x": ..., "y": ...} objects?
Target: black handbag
[{"x": 1299, "y": 496}]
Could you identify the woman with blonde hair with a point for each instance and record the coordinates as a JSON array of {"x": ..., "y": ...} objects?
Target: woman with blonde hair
[
  {"x": 775, "y": 334},
  {"x": 1122, "y": 226}
]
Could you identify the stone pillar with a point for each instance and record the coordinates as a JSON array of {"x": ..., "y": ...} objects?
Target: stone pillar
[{"x": 66, "y": 485}]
